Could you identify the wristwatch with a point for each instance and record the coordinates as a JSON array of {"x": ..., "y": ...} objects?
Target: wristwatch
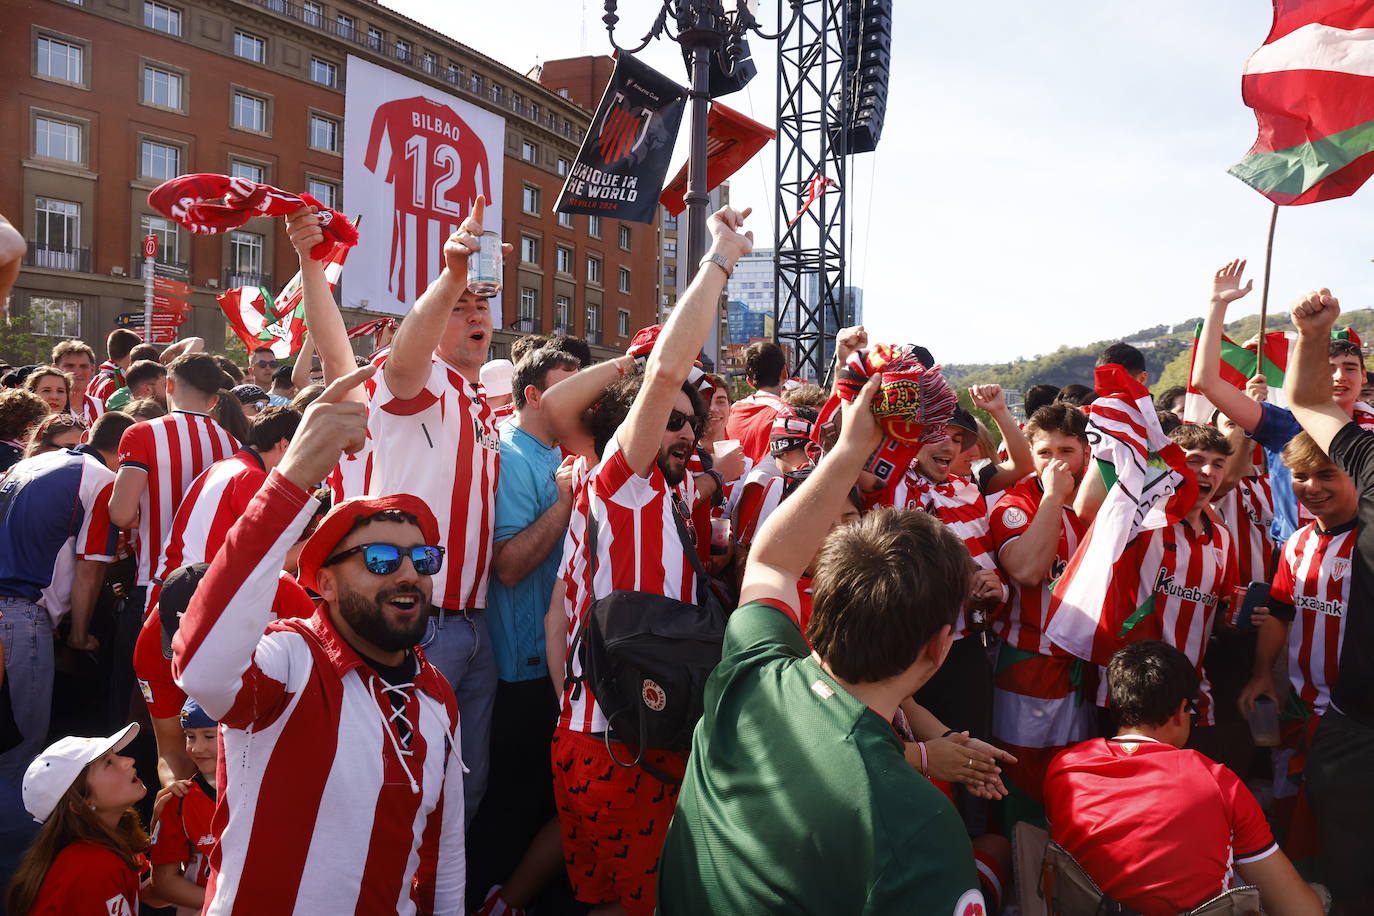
[{"x": 718, "y": 260}]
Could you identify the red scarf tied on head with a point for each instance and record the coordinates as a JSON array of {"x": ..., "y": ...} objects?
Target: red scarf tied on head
[
  {"x": 912, "y": 407},
  {"x": 185, "y": 200}
]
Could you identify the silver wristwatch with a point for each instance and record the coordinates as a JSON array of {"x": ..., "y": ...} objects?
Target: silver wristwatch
[{"x": 718, "y": 260}]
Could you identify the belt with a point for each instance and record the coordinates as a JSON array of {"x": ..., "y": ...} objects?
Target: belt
[{"x": 467, "y": 613}]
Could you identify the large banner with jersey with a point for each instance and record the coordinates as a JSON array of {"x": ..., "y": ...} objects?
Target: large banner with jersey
[{"x": 415, "y": 159}]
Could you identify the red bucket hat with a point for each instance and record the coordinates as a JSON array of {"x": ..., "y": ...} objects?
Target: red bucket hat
[{"x": 341, "y": 518}]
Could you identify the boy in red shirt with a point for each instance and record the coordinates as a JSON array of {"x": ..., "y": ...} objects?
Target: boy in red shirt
[{"x": 183, "y": 837}]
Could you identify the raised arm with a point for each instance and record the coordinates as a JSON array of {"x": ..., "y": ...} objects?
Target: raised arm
[
  {"x": 305, "y": 361},
  {"x": 1308, "y": 382},
  {"x": 1206, "y": 377},
  {"x": 678, "y": 345},
  {"x": 181, "y": 348},
  {"x": 1028, "y": 558},
  {"x": 1019, "y": 463},
  {"x": 326, "y": 325},
  {"x": 788, "y": 541},
  {"x": 408, "y": 365},
  {"x": 565, "y": 402}
]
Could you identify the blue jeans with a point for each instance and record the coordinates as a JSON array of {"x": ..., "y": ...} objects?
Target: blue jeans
[
  {"x": 26, "y": 637},
  {"x": 461, "y": 649}
]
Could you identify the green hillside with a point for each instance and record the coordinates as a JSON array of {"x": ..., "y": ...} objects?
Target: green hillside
[{"x": 1167, "y": 352}]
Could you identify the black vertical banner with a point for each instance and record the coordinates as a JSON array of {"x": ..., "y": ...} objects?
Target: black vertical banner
[{"x": 625, "y": 156}]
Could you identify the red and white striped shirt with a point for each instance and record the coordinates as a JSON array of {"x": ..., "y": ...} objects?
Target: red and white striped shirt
[
  {"x": 751, "y": 422},
  {"x": 90, "y": 411},
  {"x": 759, "y": 495},
  {"x": 351, "y": 475},
  {"x": 1026, "y": 615},
  {"x": 174, "y": 450},
  {"x": 637, "y": 549},
  {"x": 1248, "y": 510},
  {"x": 1312, "y": 590},
  {"x": 108, "y": 379},
  {"x": 209, "y": 509},
  {"x": 442, "y": 446},
  {"x": 325, "y": 805}
]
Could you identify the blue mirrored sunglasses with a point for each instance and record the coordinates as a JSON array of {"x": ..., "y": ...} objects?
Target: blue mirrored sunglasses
[{"x": 385, "y": 559}]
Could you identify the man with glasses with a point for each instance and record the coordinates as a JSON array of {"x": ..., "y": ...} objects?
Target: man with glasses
[
  {"x": 343, "y": 789},
  {"x": 262, "y": 363}
]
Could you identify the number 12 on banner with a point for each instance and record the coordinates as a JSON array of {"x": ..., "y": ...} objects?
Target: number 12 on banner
[{"x": 445, "y": 168}]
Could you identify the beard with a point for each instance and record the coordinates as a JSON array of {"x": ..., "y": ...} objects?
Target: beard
[
  {"x": 368, "y": 619},
  {"x": 673, "y": 462}
]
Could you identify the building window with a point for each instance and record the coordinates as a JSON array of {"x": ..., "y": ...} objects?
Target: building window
[
  {"x": 250, "y": 112},
  {"x": 476, "y": 82},
  {"x": 623, "y": 323},
  {"x": 312, "y": 13},
  {"x": 455, "y": 74},
  {"x": 594, "y": 226},
  {"x": 563, "y": 93},
  {"x": 324, "y": 133},
  {"x": 593, "y": 323},
  {"x": 529, "y": 199},
  {"x": 564, "y": 260},
  {"x": 516, "y": 102},
  {"x": 249, "y": 170},
  {"x": 535, "y": 110},
  {"x": 529, "y": 250},
  {"x": 168, "y": 240},
  {"x": 529, "y": 309},
  {"x": 529, "y": 152},
  {"x": 57, "y": 140},
  {"x": 565, "y": 220},
  {"x": 245, "y": 258},
  {"x": 625, "y": 237},
  {"x": 162, "y": 17},
  {"x": 61, "y": 60},
  {"x": 250, "y": 47},
  {"x": 670, "y": 275},
  {"x": 669, "y": 220},
  {"x": 427, "y": 62},
  {"x": 623, "y": 280},
  {"x": 54, "y": 317},
  {"x": 326, "y": 192},
  {"x": 161, "y": 88},
  {"x": 375, "y": 38},
  {"x": 562, "y": 167},
  {"x": 593, "y": 269},
  {"x": 323, "y": 72},
  {"x": 57, "y": 228},
  {"x": 670, "y": 248},
  {"x": 562, "y": 314},
  {"x": 403, "y": 50},
  {"x": 160, "y": 161},
  {"x": 345, "y": 26},
  {"x": 498, "y": 93}
]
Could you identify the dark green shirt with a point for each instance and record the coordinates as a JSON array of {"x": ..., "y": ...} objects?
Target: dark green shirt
[{"x": 798, "y": 799}]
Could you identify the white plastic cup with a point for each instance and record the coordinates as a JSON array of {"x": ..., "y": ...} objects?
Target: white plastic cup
[
  {"x": 720, "y": 536},
  {"x": 1264, "y": 722},
  {"x": 484, "y": 265}
]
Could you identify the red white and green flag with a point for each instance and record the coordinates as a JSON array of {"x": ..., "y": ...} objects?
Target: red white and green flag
[
  {"x": 260, "y": 320},
  {"x": 1311, "y": 86},
  {"x": 1086, "y": 613}
]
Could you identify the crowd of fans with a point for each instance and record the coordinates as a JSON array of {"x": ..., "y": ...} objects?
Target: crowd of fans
[{"x": 429, "y": 632}]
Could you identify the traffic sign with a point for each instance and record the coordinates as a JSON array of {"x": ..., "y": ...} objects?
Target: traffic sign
[
  {"x": 171, "y": 304},
  {"x": 170, "y": 287},
  {"x": 170, "y": 270},
  {"x": 150, "y": 246},
  {"x": 162, "y": 335}
]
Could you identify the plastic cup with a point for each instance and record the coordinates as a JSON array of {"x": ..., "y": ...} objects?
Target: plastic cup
[
  {"x": 484, "y": 265},
  {"x": 720, "y": 536},
  {"x": 1264, "y": 722}
]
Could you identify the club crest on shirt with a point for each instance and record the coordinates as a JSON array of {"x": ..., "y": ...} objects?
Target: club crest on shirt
[
  {"x": 1014, "y": 518},
  {"x": 1339, "y": 568}
]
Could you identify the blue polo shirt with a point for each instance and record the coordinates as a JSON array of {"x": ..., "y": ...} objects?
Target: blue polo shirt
[
  {"x": 515, "y": 616},
  {"x": 1276, "y": 428}
]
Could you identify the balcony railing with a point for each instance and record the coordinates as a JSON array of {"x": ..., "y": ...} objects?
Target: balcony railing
[
  {"x": 563, "y": 330},
  {"x": 233, "y": 278},
  {"x": 74, "y": 259},
  {"x": 527, "y": 324},
  {"x": 594, "y": 337}
]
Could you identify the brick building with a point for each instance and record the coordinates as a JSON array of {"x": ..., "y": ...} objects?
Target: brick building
[{"x": 108, "y": 98}]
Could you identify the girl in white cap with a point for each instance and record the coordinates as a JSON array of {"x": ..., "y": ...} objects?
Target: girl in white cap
[{"x": 87, "y": 855}]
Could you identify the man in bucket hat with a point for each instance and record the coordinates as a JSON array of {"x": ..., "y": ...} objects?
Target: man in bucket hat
[{"x": 334, "y": 727}]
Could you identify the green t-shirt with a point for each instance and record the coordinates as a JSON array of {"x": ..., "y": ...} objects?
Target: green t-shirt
[{"x": 797, "y": 798}]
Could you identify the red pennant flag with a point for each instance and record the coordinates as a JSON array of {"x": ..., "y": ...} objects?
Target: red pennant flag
[
  {"x": 819, "y": 185},
  {"x": 170, "y": 287},
  {"x": 731, "y": 141}
]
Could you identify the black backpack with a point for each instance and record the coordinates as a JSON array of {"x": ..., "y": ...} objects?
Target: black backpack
[{"x": 646, "y": 659}]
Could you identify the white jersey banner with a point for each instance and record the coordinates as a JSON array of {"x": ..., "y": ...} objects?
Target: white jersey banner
[{"x": 415, "y": 159}]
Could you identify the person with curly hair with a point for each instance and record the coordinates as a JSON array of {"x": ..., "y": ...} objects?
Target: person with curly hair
[{"x": 20, "y": 411}]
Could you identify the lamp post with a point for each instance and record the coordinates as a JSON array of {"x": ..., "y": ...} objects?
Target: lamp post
[{"x": 703, "y": 28}]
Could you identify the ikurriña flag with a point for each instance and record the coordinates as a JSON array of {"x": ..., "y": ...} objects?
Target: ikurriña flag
[
  {"x": 1311, "y": 86},
  {"x": 620, "y": 168},
  {"x": 1094, "y": 603}
]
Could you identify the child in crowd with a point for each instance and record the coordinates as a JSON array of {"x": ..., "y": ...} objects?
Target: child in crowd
[{"x": 184, "y": 836}]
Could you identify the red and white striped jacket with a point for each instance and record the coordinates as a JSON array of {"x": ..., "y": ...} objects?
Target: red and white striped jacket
[
  {"x": 109, "y": 378},
  {"x": 1312, "y": 584},
  {"x": 638, "y": 549},
  {"x": 325, "y": 807},
  {"x": 209, "y": 509}
]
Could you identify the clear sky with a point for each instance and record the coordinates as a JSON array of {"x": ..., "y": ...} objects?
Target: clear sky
[{"x": 1048, "y": 174}]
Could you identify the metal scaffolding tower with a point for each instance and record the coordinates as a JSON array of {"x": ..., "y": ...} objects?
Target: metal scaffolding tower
[{"x": 813, "y": 105}]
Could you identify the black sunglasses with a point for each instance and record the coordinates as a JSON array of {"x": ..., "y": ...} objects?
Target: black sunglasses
[
  {"x": 385, "y": 559},
  {"x": 677, "y": 418},
  {"x": 263, "y": 363}
]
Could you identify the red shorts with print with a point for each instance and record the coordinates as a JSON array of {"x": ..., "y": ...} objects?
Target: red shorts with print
[{"x": 613, "y": 818}]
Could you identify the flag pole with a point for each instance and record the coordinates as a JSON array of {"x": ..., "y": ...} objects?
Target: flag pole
[{"x": 1264, "y": 293}]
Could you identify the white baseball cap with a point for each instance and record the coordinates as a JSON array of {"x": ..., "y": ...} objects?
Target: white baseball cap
[
  {"x": 496, "y": 377},
  {"x": 54, "y": 771}
]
